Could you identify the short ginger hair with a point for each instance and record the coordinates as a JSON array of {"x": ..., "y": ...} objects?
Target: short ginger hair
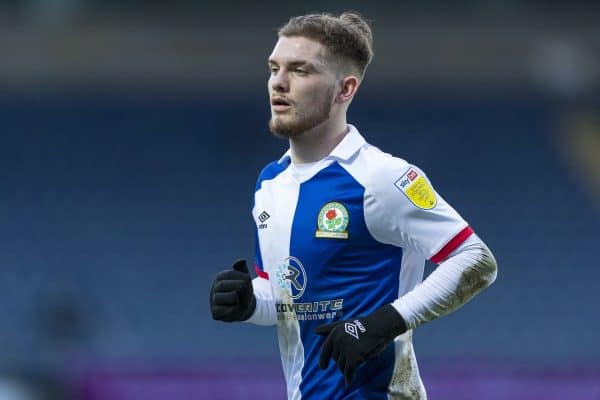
[{"x": 347, "y": 38}]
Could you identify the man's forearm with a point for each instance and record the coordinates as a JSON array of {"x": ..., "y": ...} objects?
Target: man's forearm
[
  {"x": 265, "y": 313},
  {"x": 453, "y": 283}
]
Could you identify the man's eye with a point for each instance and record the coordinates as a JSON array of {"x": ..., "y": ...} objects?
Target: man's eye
[
  {"x": 301, "y": 71},
  {"x": 273, "y": 70}
]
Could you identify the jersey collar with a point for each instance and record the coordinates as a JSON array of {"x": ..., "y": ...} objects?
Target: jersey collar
[{"x": 349, "y": 145}]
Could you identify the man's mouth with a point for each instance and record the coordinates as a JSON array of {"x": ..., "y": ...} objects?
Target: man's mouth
[{"x": 280, "y": 104}]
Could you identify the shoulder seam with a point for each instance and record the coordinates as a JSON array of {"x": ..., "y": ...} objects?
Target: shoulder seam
[{"x": 269, "y": 172}]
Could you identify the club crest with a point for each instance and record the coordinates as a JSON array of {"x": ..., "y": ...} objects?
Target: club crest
[{"x": 332, "y": 221}]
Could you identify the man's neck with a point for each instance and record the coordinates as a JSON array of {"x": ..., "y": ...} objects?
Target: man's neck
[{"x": 317, "y": 143}]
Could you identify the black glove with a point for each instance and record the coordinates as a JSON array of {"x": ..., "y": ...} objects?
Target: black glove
[
  {"x": 231, "y": 295},
  {"x": 353, "y": 341}
]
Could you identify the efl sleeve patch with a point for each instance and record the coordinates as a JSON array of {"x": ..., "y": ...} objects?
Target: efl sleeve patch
[{"x": 418, "y": 190}]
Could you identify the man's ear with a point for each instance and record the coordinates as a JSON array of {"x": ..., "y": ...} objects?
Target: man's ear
[{"x": 348, "y": 87}]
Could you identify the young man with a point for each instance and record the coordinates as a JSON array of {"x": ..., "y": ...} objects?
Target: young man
[{"x": 343, "y": 232}]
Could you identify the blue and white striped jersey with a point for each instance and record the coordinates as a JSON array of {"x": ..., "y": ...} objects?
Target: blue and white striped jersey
[{"x": 338, "y": 239}]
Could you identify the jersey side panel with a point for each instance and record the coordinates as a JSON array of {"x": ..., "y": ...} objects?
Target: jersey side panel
[
  {"x": 268, "y": 173},
  {"x": 278, "y": 197}
]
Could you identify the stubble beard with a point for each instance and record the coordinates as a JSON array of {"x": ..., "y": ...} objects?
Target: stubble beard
[{"x": 294, "y": 125}]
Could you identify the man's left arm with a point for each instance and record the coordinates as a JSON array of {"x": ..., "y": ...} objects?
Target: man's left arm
[
  {"x": 412, "y": 216},
  {"x": 468, "y": 270}
]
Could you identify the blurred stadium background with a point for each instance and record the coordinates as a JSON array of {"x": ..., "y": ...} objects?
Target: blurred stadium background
[{"x": 132, "y": 134}]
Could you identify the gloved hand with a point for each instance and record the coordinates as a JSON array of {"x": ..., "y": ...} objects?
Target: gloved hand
[
  {"x": 352, "y": 342},
  {"x": 231, "y": 295}
]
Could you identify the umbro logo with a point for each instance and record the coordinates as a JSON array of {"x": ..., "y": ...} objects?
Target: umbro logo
[
  {"x": 262, "y": 217},
  {"x": 352, "y": 328}
]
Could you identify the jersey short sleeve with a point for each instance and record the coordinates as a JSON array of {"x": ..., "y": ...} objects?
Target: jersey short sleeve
[
  {"x": 403, "y": 209},
  {"x": 259, "y": 215},
  {"x": 258, "y": 264}
]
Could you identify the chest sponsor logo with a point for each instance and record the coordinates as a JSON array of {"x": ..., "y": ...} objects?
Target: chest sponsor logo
[
  {"x": 417, "y": 189},
  {"x": 291, "y": 277},
  {"x": 332, "y": 222},
  {"x": 291, "y": 280}
]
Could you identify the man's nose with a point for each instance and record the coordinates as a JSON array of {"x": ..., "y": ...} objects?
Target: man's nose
[{"x": 279, "y": 82}]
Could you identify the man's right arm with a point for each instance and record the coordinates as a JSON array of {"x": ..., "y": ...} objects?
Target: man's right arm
[
  {"x": 265, "y": 312},
  {"x": 247, "y": 299},
  {"x": 231, "y": 294},
  {"x": 234, "y": 297}
]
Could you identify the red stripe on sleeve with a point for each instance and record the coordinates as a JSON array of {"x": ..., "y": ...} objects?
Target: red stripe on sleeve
[
  {"x": 260, "y": 273},
  {"x": 452, "y": 245}
]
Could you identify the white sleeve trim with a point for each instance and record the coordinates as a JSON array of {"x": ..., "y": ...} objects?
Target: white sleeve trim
[
  {"x": 265, "y": 313},
  {"x": 467, "y": 271}
]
